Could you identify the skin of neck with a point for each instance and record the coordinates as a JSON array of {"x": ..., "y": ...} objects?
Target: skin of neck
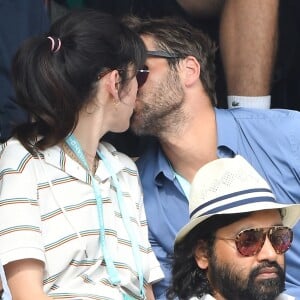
[
  {"x": 196, "y": 143},
  {"x": 89, "y": 131}
]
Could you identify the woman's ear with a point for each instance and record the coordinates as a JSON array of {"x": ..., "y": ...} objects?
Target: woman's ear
[
  {"x": 191, "y": 69},
  {"x": 113, "y": 84},
  {"x": 201, "y": 255}
]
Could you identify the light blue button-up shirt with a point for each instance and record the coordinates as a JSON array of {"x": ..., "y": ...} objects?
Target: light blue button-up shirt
[{"x": 268, "y": 139}]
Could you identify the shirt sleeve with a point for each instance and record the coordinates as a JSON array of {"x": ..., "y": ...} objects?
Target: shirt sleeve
[
  {"x": 155, "y": 272},
  {"x": 20, "y": 226}
]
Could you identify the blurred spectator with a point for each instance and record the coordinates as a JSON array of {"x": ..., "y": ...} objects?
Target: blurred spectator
[
  {"x": 248, "y": 43},
  {"x": 19, "y": 19}
]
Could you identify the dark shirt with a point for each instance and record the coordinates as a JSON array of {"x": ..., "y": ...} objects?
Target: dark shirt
[{"x": 19, "y": 19}]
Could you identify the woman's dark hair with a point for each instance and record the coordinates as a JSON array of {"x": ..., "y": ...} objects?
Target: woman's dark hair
[
  {"x": 188, "y": 280},
  {"x": 54, "y": 85}
]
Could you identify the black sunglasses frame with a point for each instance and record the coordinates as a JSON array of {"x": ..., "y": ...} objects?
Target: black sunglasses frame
[{"x": 162, "y": 54}]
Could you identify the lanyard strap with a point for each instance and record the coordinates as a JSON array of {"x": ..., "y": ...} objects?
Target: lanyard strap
[
  {"x": 112, "y": 271},
  {"x": 126, "y": 220}
]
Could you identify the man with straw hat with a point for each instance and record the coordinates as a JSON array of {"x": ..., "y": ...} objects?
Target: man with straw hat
[{"x": 233, "y": 246}]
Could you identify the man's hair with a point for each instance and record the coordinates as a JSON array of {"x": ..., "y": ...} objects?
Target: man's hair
[
  {"x": 188, "y": 280},
  {"x": 175, "y": 35}
]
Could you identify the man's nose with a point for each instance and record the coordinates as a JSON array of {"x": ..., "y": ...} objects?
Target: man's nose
[{"x": 267, "y": 251}]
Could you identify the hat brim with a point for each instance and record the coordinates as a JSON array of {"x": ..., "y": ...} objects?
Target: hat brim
[{"x": 291, "y": 215}]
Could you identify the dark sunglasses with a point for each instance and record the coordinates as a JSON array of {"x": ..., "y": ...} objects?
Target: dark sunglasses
[
  {"x": 142, "y": 75},
  {"x": 249, "y": 242}
]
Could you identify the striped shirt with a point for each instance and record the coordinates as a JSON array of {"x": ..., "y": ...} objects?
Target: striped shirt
[{"x": 48, "y": 212}]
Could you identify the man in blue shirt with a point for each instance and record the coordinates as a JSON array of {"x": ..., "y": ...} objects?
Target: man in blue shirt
[{"x": 176, "y": 104}]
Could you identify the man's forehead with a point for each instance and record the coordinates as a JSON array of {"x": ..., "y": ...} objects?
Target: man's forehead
[
  {"x": 149, "y": 42},
  {"x": 262, "y": 218}
]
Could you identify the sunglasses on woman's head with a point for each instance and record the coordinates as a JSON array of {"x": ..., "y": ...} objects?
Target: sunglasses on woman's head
[{"x": 249, "y": 242}]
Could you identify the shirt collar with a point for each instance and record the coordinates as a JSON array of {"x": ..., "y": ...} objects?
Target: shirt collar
[
  {"x": 54, "y": 157},
  {"x": 163, "y": 165},
  {"x": 227, "y": 144},
  {"x": 110, "y": 153}
]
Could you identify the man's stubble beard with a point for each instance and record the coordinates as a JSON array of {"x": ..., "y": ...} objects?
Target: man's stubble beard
[{"x": 161, "y": 108}]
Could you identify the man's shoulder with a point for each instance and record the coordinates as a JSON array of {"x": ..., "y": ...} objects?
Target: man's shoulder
[
  {"x": 264, "y": 114},
  {"x": 259, "y": 121}
]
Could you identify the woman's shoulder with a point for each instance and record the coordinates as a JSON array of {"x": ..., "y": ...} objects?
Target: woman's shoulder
[
  {"x": 124, "y": 166},
  {"x": 123, "y": 158},
  {"x": 12, "y": 153}
]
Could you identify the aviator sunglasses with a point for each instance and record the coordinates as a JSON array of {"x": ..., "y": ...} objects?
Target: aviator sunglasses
[
  {"x": 143, "y": 74},
  {"x": 249, "y": 242}
]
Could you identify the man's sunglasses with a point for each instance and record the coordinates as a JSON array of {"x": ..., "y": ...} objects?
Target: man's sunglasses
[
  {"x": 249, "y": 242},
  {"x": 162, "y": 54},
  {"x": 143, "y": 74}
]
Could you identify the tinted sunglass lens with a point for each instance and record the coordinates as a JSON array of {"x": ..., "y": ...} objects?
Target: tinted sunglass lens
[
  {"x": 250, "y": 242},
  {"x": 281, "y": 239},
  {"x": 142, "y": 76}
]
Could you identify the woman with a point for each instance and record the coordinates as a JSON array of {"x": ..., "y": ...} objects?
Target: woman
[{"x": 72, "y": 218}]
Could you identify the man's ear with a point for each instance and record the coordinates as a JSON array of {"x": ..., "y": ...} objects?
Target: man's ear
[
  {"x": 192, "y": 70},
  {"x": 201, "y": 255}
]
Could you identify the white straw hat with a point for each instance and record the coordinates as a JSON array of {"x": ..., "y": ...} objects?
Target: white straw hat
[{"x": 229, "y": 186}]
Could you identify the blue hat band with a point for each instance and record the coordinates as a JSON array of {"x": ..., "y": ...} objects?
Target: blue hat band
[{"x": 246, "y": 199}]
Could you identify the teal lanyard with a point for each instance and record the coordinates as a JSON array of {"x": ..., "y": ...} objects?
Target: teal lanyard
[{"x": 111, "y": 269}]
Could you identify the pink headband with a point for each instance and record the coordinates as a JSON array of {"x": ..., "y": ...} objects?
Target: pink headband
[{"x": 53, "y": 44}]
